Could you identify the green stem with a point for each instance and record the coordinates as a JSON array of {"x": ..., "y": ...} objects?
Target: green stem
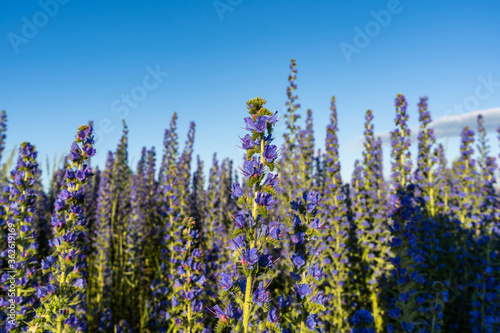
[{"x": 247, "y": 305}]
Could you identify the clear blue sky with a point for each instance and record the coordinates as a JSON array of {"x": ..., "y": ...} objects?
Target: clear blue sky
[{"x": 64, "y": 65}]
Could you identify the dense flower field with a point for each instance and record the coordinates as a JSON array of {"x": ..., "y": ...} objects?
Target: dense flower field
[{"x": 280, "y": 243}]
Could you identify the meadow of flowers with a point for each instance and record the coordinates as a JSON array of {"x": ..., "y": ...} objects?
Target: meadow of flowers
[{"x": 277, "y": 243}]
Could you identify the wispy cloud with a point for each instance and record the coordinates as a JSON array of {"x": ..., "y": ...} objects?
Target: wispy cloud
[
  {"x": 447, "y": 126},
  {"x": 453, "y": 125}
]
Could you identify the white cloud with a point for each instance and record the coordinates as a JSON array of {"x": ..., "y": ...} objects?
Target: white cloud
[
  {"x": 453, "y": 125},
  {"x": 447, "y": 126}
]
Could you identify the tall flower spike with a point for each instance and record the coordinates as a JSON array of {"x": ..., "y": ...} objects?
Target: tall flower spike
[
  {"x": 371, "y": 220},
  {"x": 404, "y": 214},
  {"x": 174, "y": 189},
  {"x": 307, "y": 271},
  {"x": 335, "y": 212},
  {"x": 3, "y": 129},
  {"x": 400, "y": 141},
  {"x": 101, "y": 279},
  {"x": 171, "y": 147},
  {"x": 120, "y": 189},
  {"x": 287, "y": 162},
  {"x": 185, "y": 170},
  {"x": 251, "y": 235},
  {"x": 190, "y": 282},
  {"x": 63, "y": 297},
  {"x": 424, "y": 171},
  {"x": 21, "y": 223}
]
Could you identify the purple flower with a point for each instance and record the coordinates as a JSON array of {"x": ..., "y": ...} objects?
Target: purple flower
[
  {"x": 312, "y": 201},
  {"x": 265, "y": 260},
  {"x": 265, "y": 199},
  {"x": 237, "y": 243},
  {"x": 249, "y": 257},
  {"x": 80, "y": 283},
  {"x": 89, "y": 150},
  {"x": 275, "y": 230},
  {"x": 316, "y": 223},
  {"x": 319, "y": 298},
  {"x": 298, "y": 260},
  {"x": 69, "y": 174},
  {"x": 229, "y": 313},
  {"x": 270, "y": 153},
  {"x": 394, "y": 313},
  {"x": 247, "y": 142},
  {"x": 272, "y": 315},
  {"x": 407, "y": 326},
  {"x": 237, "y": 191},
  {"x": 239, "y": 220},
  {"x": 303, "y": 290},
  {"x": 298, "y": 238},
  {"x": 273, "y": 119},
  {"x": 283, "y": 302},
  {"x": 258, "y": 125},
  {"x": 226, "y": 281},
  {"x": 252, "y": 168},
  {"x": 47, "y": 262},
  {"x": 271, "y": 180},
  {"x": 76, "y": 154},
  {"x": 197, "y": 306},
  {"x": 316, "y": 272},
  {"x": 312, "y": 321},
  {"x": 260, "y": 295}
]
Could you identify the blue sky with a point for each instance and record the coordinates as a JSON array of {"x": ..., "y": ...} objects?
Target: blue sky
[{"x": 64, "y": 63}]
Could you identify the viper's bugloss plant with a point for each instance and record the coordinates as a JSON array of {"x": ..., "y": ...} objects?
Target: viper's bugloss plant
[
  {"x": 406, "y": 279},
  {"x": 251, "y": 235},
  {"x": 21, "y": 218},
  {"x": 100, "y": 283},
  {"x": 400, "y": 141},
  {"x": 198, "y": 196},
  {"x": 485, "y": 312},
  {"x": 174, "y": 209},
  {"x": 465, "y": 174},
  {"x": 337, "y": 257},
  {"x": 305, "y": 154},
  {"x": 291, "y": 116},
  {"x": 4, "y": 167},
  {"x": 424, "y": 171},
  {"x": 369, "y": 214},
  {"x": 120, "y": 211},
  {"x": 63, "y": 307},
  {"x": 308, "y": 274},
  {"x": 190, "y": 282},
  {"x": 219, "y": 211},
  {"x": 288, "y": 162},
  {"x": 184, "y": 172},
  {"x": 3, "y": 129}
]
